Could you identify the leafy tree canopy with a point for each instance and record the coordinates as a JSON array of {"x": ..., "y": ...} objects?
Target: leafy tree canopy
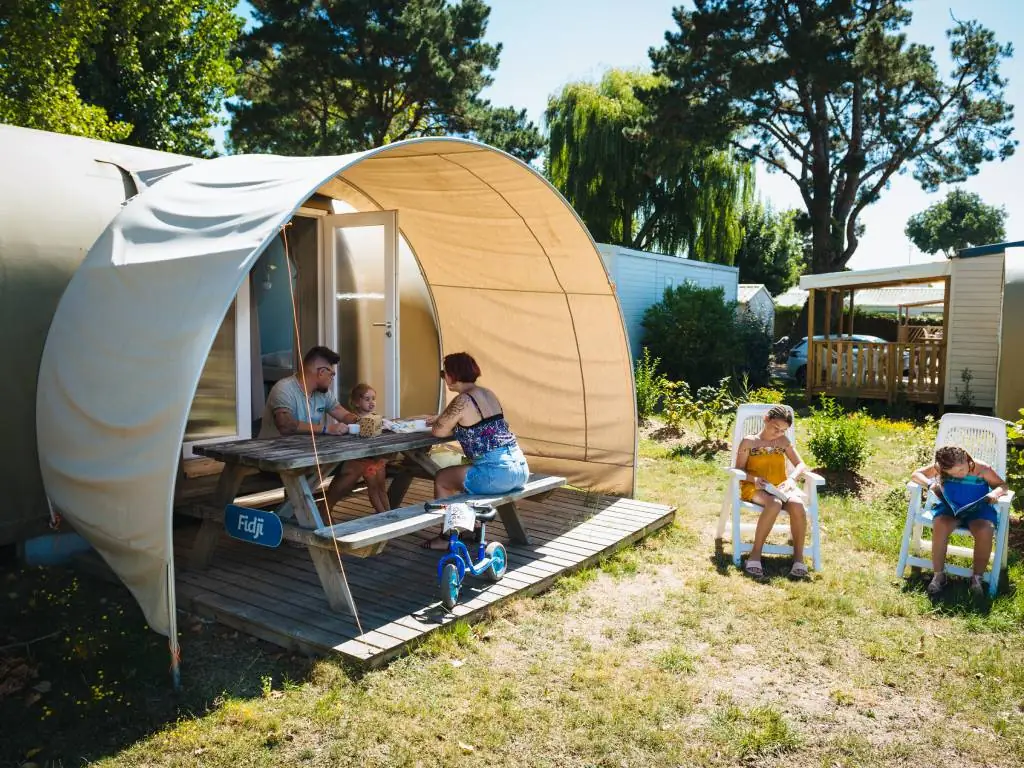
[
  {"x": 342, "y": 76},
  {"x": 149, "y": 74},
  {"x": 832, "y": 94},
  {"x": 41, "y": 44},
  {"x": 959, "y": 221},
  {"x": 164, "y": 68},
  {"x": 772, "y": 249},
  {"x": 627, "y": 190}
]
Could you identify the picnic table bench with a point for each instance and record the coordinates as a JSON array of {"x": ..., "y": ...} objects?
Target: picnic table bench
[
  {"x": 368, "y": 535},
  {"x": 294, "y": 459}
]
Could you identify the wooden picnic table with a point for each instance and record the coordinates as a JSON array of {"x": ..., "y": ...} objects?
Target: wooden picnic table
[{"x": 295, "y": 461}]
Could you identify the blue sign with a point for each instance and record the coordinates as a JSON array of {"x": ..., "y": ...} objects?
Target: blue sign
[{"x": 256, "y": 526}]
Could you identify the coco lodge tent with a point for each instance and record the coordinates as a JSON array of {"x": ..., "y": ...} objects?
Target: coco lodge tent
[{"x": 513, "y": 275}]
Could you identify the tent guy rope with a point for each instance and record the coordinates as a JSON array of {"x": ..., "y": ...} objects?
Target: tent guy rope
[{"x": 312, "y": 432}]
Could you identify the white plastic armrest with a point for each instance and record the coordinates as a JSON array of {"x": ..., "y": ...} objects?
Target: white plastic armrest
[
  {"x": 1003, "y": 505},
  {"x": 739, "y": 474},
  {"x": 810, "y": 477},
  {"x": 917, "y": 492}
]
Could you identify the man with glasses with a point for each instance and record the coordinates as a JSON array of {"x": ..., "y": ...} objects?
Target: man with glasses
[{"x": 286, "y": 413}]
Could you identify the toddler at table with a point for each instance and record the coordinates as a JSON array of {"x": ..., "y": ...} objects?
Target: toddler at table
[{"x": 363, "y": 402}]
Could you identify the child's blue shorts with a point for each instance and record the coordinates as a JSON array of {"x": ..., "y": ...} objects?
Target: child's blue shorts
[{"x": 981, "y": 512}]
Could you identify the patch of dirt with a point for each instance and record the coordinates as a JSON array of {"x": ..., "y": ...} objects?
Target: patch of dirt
[
  {"x": 15, "y": 674},
  {"x": 655, "y": 430},
  {"x": 843, "y": 482},
  {"x": 703, "y": 448}
]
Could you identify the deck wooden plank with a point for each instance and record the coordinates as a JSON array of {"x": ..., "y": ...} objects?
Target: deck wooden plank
[
  {"x": 305, "y": 595},
  {"x": 268, "y": 626},
  {"x": 229, "y": 585},
  {"x": 275, "y": 593},
  {"x": 407, "y": 578},
  {"x": 385, "y": 582}
]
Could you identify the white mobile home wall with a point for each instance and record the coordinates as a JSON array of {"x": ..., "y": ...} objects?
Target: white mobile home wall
[
  {"x": 975, "y": 322},
  {"x": 641, "y": 278},
  {"x": 761, "y": 306}
]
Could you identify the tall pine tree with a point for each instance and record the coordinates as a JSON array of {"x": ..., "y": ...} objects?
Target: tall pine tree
[
  {"x": 346, "y": 75},
  {"x": 831, "y": 94}
]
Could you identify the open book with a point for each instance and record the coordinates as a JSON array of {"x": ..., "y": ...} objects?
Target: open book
[
  {"x": 959, "y": 511},
  {"x": 783, "y": 496}
]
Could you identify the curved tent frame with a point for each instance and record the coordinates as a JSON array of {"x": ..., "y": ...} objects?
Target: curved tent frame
[{"x": 515, "y": 278}]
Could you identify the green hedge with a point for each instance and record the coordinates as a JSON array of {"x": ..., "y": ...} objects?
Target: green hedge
[{"x": 700, "y": 339}]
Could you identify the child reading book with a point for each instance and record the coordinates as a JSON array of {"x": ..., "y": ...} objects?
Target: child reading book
[
  {"x": 763, "y": 458},
  {"x": 363, "y": 402},
  {"x": 965, "y": 489}
]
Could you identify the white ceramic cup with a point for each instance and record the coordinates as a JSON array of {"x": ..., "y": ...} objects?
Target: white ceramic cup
[{"x": 353, "y": 429}]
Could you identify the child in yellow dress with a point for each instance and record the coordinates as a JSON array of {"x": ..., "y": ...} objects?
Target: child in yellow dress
[{"x": 763, "y": 458}]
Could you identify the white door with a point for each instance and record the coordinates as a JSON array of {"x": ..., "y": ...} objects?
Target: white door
[{"x": 360, "y": 303}]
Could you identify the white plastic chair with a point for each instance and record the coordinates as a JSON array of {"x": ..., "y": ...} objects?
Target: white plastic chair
[
  {"x": 984, "y": 437},
  {"x": 749, "y": 421}
]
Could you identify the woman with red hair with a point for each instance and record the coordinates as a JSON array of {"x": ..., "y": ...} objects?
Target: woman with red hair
[{"x": 476, "y": 420}]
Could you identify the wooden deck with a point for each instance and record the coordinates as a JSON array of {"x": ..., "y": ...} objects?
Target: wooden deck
[{"x": 275, "y": 594}]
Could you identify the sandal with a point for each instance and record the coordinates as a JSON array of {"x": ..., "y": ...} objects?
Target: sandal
[
  {"x": 798, "y": 571},
  {"x": 753, "y": 568},
  {"x": 976, "y": 587},
  {"x": 439, "y": 543},
  {"x": 937, "y": 584}
]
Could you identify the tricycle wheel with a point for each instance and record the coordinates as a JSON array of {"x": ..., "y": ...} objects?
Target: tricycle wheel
[
  {"x": 499, "y": 560},
  {"x": 450, "y": 586}
]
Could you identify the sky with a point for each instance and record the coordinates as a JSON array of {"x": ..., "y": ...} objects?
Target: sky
[{"x": 548, "y": 43}]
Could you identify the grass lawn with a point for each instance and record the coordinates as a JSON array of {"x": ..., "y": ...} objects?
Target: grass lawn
[{"x": 664, "y": 656}]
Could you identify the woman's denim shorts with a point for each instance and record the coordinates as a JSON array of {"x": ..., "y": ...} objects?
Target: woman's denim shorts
[{"x": 498, "y": 471}]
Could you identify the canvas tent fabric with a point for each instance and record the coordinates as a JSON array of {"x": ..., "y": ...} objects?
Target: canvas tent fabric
[
  {"x": 515, "y": 277},
  {"x": 57, "y": 194}
]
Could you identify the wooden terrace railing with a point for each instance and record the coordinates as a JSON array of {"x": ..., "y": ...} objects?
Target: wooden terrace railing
[{"x": 913, "y": 370}]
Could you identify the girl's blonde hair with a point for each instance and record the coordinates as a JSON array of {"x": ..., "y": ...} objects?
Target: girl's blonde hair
[
  {"x": 949, "y": 456},
  {"x": 357, "y": 392}
]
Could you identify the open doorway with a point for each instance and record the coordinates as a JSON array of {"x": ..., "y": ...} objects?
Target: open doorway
[{"x": 340, "y": 288}]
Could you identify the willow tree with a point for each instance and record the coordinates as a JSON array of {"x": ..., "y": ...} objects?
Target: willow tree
[{"x": 631, "y": 192}]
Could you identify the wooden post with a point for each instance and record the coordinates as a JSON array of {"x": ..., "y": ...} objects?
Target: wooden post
[
  {"x": 828, "y": 339},
  {"x": 944, "y": 359},
  {"x": 851, "y": 311},
  {"x": 513, "y": 525},
  {"x": 325, "y": 561},
  {"x": 205, "y": 542},
  {"x": 828, "y": 314},
  {"x": 810, "y": 342}
]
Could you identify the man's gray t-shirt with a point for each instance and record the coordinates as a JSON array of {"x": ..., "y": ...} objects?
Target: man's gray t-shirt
[{"x": 287, "y": 393}]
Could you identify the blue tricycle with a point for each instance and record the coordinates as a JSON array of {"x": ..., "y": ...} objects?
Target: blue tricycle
[{"x": 491, "y": 559}]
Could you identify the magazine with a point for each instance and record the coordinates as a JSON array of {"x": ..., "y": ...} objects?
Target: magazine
[{"x": 959, "y": 511}]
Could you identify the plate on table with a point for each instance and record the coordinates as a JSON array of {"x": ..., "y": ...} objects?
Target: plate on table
[{"x": 406, "y": 426}]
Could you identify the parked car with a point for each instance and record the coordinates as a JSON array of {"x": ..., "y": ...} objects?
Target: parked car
[{"x": 796, "y": 364}]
